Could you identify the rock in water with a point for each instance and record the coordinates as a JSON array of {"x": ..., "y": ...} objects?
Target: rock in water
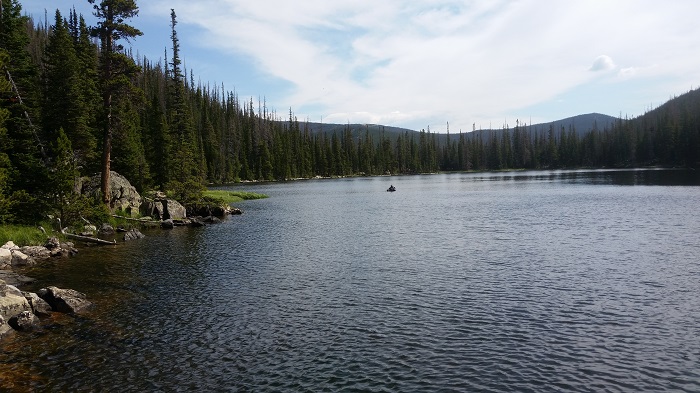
[
  {"x": 24, "y": 321},
  {"x": 39, "y": 306},
  {"x": 12, "y": 301},
  {"x": 5, "y": 328},
  {"x": 133, "y": 234},
  {"x": 167, "y": 224},
  {"x": 5, "y": 259},
  {"x": 105, "y": 230},
  {"x": 65, "y": 300}
]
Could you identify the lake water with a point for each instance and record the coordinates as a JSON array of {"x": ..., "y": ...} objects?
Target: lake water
[{"x": 517, "y": 281}]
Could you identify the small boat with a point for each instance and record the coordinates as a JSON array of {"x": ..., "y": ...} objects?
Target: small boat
[{"x": 391, "y": 189}]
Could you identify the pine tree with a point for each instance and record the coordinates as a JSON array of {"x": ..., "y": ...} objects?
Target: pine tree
[
  {"x": 65, "y": 105},
  {"x": 23, "y": 144},
  {"x": 115, "y": 66},
  {"x": 5, "y": 164}
]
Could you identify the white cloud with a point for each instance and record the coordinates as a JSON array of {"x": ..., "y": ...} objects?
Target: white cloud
[
  {"x": 433, "y": 61},
  {"x": 603, "y": 63}
]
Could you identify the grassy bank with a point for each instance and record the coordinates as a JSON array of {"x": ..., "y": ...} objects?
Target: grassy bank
[
  {"x": 233, "y": 196},
  {"x": 22, "y": 235}
]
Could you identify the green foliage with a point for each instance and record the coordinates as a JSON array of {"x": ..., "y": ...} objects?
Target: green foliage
[
  {"x": 232, "y": 196},
  {"x": 187, "y": 192},
  {"x": 22, "y": 235}
]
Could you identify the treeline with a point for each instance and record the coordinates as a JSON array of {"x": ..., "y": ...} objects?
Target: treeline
[{"x": 70, "y": 90}]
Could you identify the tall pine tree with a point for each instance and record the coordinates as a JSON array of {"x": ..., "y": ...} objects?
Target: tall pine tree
[{"x": 116, "y": 68}]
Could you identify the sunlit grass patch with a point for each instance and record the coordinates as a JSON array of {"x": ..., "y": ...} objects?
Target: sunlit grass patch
[{"x": 233, "y": 196}]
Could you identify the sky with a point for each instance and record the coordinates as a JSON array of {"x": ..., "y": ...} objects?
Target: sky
[{"x": 428, "y": 64}]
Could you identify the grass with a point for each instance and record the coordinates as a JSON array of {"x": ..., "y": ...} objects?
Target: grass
[
  {"x": 22, "y": 235},
  {"x": 233, "y": 196}
]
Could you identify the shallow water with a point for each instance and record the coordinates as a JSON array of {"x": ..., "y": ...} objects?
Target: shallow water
[{"x": 517, "y": 281}]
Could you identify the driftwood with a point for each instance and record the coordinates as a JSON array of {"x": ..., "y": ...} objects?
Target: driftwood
[{"x": 89, "y": 239}]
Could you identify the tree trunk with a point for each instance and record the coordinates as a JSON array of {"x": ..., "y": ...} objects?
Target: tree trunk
[{"x": 107, "y": 49}]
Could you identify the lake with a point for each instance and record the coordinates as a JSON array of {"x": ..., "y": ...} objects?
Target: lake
[{"x": 495, "y": 282}]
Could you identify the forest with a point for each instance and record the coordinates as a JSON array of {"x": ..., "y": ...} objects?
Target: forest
[{"x": 74, "y": 101}]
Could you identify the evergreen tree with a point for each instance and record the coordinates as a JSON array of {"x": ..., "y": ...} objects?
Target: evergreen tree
[
  {"x": 5, "y": 165},
  {"x": 64, "y": 103},
  {"x": 116, "y": 68}
]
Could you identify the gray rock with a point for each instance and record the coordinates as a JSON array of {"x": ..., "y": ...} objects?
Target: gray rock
[
  {"x": 167, "y": 224},
  {"x": 5, "y": 259},
  {"x": 174, "y": 210},
  {"x": 12, "y": 302},
  {"x": 105, "y": 230},
  {"x": 133, "y": 234},
  {"x": 24, "y": 321},
  {"x": 196, "y": 222},
  {"x": 36, "y": 252},
  {"x": 52, "y": 243},
  {"x": 10, "y": 245},
  {"x": 15, "y": 279},
  {"x": 39, "y": 306},
  {"x": 5, "y": 328},
  {"x": 65, "y": 300},
  {"x": 21, "y": 259},
  {"x": 212, "y": 220},
  {"x": 123, "y": 196}
]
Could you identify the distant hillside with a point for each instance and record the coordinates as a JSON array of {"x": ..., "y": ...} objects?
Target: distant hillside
[{"x": 581, "y": 123}]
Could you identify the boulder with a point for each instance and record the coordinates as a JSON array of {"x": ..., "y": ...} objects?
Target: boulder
[
  {"x": 52, "y": 243},
  {"x": 212, "y": 220},
  {"x": 10, "y": 246},
  {"x": 174, "y": 210},
  {"x": 106, "y": 230},
  {"x": 196, "y": 222},
  {"x": 36, "y": 252},
  {"x": 167, "y": 224},
  {"x": 21, "y": 259},
  {"x": 12, "y": 301},
  {"x": 39, "y": 306},
  {"x": 15, "y": 279},
  {"x": 5, "y": 259},
  {"x": 24, "y": 321},
  {"x": 65, "y": 300},
  {"x": 5, "y": 328},
  {"x": 133, "y": 234},
  {"x": 123, "y": 196},
  {"x": 153, "y": 208}
]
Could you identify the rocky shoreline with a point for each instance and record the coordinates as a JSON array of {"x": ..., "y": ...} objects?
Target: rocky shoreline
[{"x": 19, "y": 310}]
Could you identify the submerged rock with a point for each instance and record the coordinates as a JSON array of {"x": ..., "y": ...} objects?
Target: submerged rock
[{"x": 65, "y": 300}]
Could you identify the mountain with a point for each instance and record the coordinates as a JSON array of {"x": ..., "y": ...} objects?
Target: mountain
[{"x": 581, "y": 123}]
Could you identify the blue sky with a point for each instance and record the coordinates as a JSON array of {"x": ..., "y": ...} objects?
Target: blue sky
[{"x": 425, "y": 63}]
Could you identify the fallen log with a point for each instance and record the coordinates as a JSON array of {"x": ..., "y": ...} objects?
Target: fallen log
[{"x": 89, "y": 239}]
